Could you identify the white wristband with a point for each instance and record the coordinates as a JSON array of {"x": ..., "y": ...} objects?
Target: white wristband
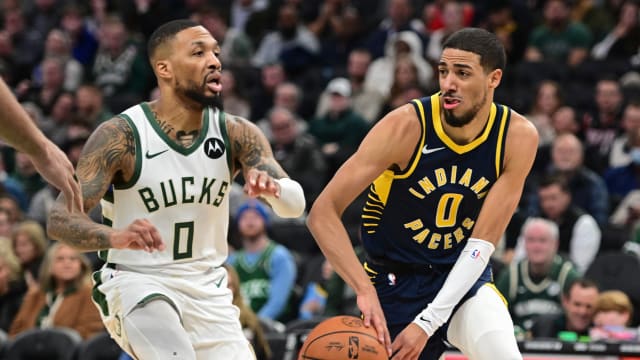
[
  {"x": 466, "y": 271},
  {"x": 291, "y": 202}
]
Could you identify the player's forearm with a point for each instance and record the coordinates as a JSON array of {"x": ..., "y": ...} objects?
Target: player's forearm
[
  {"x": 16, "y": 127},
  {"x": 333, "y": 240},
  {"x": 77, "y": 230}
]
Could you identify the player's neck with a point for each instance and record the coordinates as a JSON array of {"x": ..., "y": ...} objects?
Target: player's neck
[
  {"x": 467, "y": 133},
  {"x": 176, "y": 114}
]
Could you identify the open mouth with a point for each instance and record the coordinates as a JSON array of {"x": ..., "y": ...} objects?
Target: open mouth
[
  {"x": 450, "y": 102},
  {"x": 213, "y": 83}
]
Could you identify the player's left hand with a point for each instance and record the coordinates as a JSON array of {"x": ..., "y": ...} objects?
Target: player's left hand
[
  {"x": 408, "y": 345},
  {"x": 258, "y": 182}
]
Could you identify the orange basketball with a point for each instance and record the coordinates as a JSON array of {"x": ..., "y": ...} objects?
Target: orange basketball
[{"x": 342, "y": 337}]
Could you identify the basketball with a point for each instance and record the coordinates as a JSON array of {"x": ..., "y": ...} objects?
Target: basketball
[{"x": 342, "y": 337}]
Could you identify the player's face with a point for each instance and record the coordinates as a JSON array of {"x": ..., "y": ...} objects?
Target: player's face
[
  {"x": 197, "y": 69},
  {"x": 464, "y": 86}
]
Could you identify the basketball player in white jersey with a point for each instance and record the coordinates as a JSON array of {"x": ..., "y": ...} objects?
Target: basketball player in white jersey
[{"x": 162, "y": 171}]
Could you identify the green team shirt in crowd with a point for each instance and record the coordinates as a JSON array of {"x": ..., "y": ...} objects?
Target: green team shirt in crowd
[
  {"x": 254, "y": 278},
  {"x": 529, "y": 297}
]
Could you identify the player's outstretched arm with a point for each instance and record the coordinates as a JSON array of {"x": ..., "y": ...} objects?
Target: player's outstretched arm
[
  {"x": 264, "y": 177},
  {"x": 108, "y": 157},
  {"x": 18, "y": 130},
  {"x": 400, "y": 129}
]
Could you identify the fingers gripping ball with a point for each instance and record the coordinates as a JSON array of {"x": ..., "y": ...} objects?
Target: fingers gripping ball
[{"x": 342, "y": 337}]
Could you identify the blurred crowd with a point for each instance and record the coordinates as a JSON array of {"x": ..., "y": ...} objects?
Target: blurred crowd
[{"x": 315, "y": 75}]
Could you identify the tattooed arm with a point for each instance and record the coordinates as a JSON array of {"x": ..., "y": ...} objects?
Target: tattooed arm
[
  {"x": 108, "y": 157},
  {"x": 264, "y": 177}
]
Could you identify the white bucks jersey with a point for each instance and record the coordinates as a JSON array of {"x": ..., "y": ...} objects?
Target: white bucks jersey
[{"x": 182, "y": 191}]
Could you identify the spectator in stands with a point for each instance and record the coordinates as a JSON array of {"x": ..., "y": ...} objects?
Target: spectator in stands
[
  {"x": 233, "y": 100},
  {"x": 340, "y": 26},
  {"x": 624, "y": 179},
  {"x": 292, "y": 44},
  {"x": 43, "y": 16},
  {"x": 58, "y": 44},
  {"x": 12, "y": 286},
  {"x": 511, "y": 23},
  {"x": 620, "y": 154},
  {"x": 405, "y": 78},
  {"x": 11, "y": 185},
  {"x": 252, "y": 17},
  {"x": 55, "y": 126},
  {"x": 452, "y": 21},
  {"x": 271, "y": 75},
  {"x": 287, "y": 95},
  {"x": 564, "y": 120},
  {"x": 579, "y": 234},
  {"x": 62, "y": 297},
  {"x": 579, "y": 303},
  {"x": 248, "y": 319},
  {"x": 29, "y": 245},
  {"x": 45, "y": 94},
  {"x": 340, "y": 131},
  {"x": 400, "y": 17},
  {"x": 120, "y": 68},
  {"x": 588, "y": 190},
  {"x": 6, "y": 225},
  {"x": 433, "y": 13},
  {"x": 25, "y": 172},
  {"x": 11, "y": 205},
  {"x": 380, "y": 74},
  {"x": 558, "y": 39},
  {"x": 84, "y": 42},
  {"x": 297, "y": 152},
  {"x": 601, "y": 125},
  {"x": 623, "y": 41},
  {"x": 26, "y": 43},
  {"x": 612, "y": 316},
  {"x": 235, "y": 46},
  {"x": 548, "y": 99},
  {"x": 533, "y": 285},
  {"x": 266, "y": 269},
  {"x": 90, "y": 105},
  {"x": 365, "y": 102}
]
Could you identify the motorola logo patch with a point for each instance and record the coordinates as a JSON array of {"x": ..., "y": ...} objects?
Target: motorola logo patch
[{"x": 214, "y": 148}]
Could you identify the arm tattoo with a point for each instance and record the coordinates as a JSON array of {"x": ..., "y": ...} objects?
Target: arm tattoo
[
  {"x": 108, "y": 157},
  {"x": 251, "y": 149}
]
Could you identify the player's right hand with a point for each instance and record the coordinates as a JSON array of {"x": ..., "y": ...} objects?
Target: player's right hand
[
  {"x": 372, "y": 314},
  {"x": 139, "y": 235}
]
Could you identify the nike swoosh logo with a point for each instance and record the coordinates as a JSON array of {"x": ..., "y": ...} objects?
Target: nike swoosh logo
[
  {"x": 426, "y": 151},
  {"x": 425, "y": 320},
  {"x": 219, "y": 282},
  {"x": 151, "y": 156}
]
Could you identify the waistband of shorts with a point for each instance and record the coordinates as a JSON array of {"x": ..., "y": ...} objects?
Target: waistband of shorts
[{"x": 406, "y": 268}]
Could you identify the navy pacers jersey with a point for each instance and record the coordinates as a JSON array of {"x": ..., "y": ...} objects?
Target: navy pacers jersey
[{"x": 425, "y": 214}]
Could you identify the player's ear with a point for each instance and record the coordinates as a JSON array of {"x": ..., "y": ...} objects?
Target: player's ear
[
  {"x": 495, "y": 77},
  {"x": 163, "y": 69}
]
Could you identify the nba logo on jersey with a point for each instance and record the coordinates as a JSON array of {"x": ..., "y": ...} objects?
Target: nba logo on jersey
[
  {"x": 392, "y": 278},
  {"x": 475, "y": 253}
]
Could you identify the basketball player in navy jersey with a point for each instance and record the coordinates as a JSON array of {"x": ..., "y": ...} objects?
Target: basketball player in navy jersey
[
  {"x": 445, "y": 174},
  {"x": 162, "y": 172}
]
